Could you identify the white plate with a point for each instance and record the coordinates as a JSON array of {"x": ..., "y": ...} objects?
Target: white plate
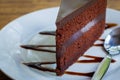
[{"x": 24, "y": 30}]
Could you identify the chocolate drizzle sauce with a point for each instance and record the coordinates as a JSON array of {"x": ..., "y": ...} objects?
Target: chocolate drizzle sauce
[
  {"x": 101, "y": 40},
  {"x": 95, "y": 59},
  {"x": 38, "y": 65},
  {"x": 38, "y": 48},
  {"x": 89, "y": 74},
  {"x": 110, "y": 25},
  {"x": 98, "y": 45},
  {"x": 48, "y": 33}
]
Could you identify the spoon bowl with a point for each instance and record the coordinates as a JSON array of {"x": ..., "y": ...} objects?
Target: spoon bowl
[{"x": 112, "y": 42}]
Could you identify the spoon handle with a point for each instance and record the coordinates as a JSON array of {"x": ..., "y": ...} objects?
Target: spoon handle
[{"x": 102, "y": 69}]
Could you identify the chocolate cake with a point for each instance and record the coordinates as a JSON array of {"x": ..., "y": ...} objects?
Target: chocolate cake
[{"x": 77, "y": 31}]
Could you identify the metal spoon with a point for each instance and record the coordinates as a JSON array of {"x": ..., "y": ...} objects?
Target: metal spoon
[{"x": 112, "y": 46}]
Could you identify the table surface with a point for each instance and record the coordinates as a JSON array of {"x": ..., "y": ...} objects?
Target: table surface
[{"x": 12, "y": 9}]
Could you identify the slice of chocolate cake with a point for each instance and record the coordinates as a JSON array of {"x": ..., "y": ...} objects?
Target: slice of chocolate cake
[{"x": 78, "y": 27}]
